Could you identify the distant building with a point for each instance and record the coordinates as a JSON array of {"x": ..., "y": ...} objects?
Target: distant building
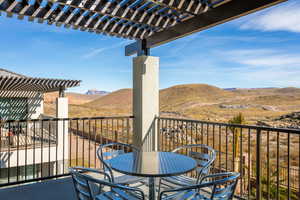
[{"x": 24, "y": 139}]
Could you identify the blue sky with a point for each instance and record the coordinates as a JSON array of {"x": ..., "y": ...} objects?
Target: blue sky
[{"x": 259, "y": 50}]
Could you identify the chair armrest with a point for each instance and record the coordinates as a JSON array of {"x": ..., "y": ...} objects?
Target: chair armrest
[
  {"x": 84, "y": 169},
  {"x": 231, "y": 176}
]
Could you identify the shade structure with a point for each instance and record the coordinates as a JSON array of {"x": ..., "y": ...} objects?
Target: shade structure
[
  {"x": 10, "y": 81},
  {"x": 157, "y": 21}
]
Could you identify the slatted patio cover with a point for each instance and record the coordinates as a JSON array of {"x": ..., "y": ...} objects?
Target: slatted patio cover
[
  {"x": 157, "y": 21},
  {"x": 10, "y": 81}
]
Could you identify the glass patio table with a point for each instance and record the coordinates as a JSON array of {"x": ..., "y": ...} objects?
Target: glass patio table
[{"x": 152, "y": 165}]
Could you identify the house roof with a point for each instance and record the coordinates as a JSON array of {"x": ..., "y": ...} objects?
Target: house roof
[
  {"x": 10, "y": 81},
  {"x": 156, "y": 21}
]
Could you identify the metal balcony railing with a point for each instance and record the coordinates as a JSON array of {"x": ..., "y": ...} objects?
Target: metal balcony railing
[
  {"x": 268, "y": 159},
  {"x": 32, "y": 150}
]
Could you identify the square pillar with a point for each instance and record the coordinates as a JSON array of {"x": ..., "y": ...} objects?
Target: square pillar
[
  {"x": 145, "y": 101},
  {"x": 62, "y": 111}
]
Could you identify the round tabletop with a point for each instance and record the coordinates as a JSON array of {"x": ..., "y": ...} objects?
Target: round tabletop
[{"x": 152, "y": 164}]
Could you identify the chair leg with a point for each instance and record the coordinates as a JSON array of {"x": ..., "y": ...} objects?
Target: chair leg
[{"x": 159, "y": 185}]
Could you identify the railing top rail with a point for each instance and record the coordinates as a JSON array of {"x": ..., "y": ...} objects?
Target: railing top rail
[
  {"x": 262, "y": 128},
  {"x": 67, "y": 119}
]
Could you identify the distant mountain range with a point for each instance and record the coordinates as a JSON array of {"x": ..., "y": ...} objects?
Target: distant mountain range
[
  {"x": 97, "y": 92},
  {"x": 232, "y": 89}
]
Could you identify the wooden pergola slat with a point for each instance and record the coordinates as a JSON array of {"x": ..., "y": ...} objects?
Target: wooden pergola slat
[
  {"x": 153, "y": 21},
  {"x": 35, "y": 84}
]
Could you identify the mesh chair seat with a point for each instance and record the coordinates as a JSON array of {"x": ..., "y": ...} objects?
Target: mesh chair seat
[
  {"x": 118, "y": 194},
  {"x": 181, "y": 180},
  {"x": 89, "y": 188},
  {"x": 203, "y": 154},
  {"x": 186, "y": 195},
  {"x": 213, "y": 187},
  {"x": 127, "y": 179}
]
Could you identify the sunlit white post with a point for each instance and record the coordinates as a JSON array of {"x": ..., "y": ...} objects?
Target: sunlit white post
[{"x": 145, "y": 101}]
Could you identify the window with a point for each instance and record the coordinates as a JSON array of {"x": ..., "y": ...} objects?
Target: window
[{"x": 13, "y": 108}]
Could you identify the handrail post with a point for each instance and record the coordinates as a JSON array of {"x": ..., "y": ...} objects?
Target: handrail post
[{"x": 258, "y": 164}]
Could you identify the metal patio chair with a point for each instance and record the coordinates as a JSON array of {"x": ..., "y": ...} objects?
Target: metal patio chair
[
  {"x": 108, "y": 151},
  {"x": 85, "y": 186},
  {"x": 203, "y": 154},
  {"x": 212, "y": 187}
]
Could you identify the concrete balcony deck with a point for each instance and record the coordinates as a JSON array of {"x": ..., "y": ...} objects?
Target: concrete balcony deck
[{"x": 59, "y": 189}]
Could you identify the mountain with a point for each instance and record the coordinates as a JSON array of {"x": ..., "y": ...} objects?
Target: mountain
[
  {"x": 171, "y": 99},
  {"x": 119, "y": 98},
  {"x": 191, "y": 94},
  {"x": 97, "y": 92},
  {"x": 196, "y": 101}
]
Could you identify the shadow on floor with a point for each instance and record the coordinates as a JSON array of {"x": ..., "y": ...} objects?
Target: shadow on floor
[{"x": 60, "y": 189}]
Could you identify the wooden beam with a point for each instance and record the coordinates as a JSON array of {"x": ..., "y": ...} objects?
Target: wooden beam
[{"x": 219, "y": 15}]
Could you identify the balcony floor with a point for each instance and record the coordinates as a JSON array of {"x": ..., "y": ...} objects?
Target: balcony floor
[
  {"x": 47, "y": 190},
  {"x": 59, "y": 189}
]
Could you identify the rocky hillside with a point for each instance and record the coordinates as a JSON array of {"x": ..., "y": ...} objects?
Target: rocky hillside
[{"x": 203, "y": 102}]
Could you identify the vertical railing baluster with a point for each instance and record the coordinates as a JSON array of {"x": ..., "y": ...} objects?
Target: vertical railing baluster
[
  {"x": 89, "y": 157},
  {"x": 71, "y": 131},
  {"x": 42, "y": 145},
  {"x": 220, "y": 144},
  {"x": 26, "y": 143},
  {"x": 233, "y": 148},
  {"x": 207, "y": 134},
  {"x": 56, "y": 144},
  {"x": 288, "y": 157},
  {"x": 64, "y": 143},
  {"x": 49, "y": 153},
  {"x": 268, "y": 165},
  {"x": 77, "y": 142},
  {"x": 95, "y": 144},
  {"x": 277, "y": 165},
  {"x": 128, "y": 130},
  {"x": 298, "y": 166},
  {"x": 241, "y": 161},
  {"x": 9, "y": 143},
  {"x": 226, "y": 148},
  {"x": 83, "y": 140},
  {"x": 158, "y": 135},
  {"x": 258, "y": 164},
  {"x": 17, "y": 129},
  {"x": 249, "y": 158},
  {"x": 202, "y": 140}
]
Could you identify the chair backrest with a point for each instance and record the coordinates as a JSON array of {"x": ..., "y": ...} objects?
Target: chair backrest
[
  {"x": 203, "y": 154},
  {"x": 223, "y": 184},
  {"x": 83, "y": 185},
  {"x": 108, "y": 151},
  {"x": 219, "y": 186}
]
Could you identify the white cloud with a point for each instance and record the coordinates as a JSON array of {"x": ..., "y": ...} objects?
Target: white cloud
[
  {"x": 284, "y": 17},
  {"x": 264, "y": 66},
  {"x": 97, "y": 51},
  {"x": 263, "y": 57},
  {"x": 94, "y": 52}
]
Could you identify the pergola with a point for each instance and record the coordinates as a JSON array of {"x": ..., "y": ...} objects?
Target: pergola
[
  {"x": 150, "y": 22},
  {"x": 13, "y": 83}
]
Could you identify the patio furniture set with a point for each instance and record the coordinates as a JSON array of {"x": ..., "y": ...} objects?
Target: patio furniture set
[{"x": 184, "y": 173}]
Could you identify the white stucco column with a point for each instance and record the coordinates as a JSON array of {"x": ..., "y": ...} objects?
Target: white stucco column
[
  {"x": 145, "y": 101},
  {"x": 62, "y": 111}
]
